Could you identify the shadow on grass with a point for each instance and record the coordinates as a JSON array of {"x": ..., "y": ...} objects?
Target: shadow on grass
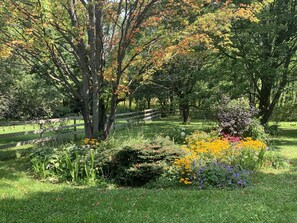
[
  {"x": 10, "y": 169},
  {"x": 9, "y": 154},
  {"x": 283, "y": 142},
  {"x": 288, "y": 133},
  {"x": 271, "y": 199}
]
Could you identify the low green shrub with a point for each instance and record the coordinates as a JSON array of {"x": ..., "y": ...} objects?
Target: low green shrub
[
  {"x": 136, "y": 165},
  {"x": 272, "y": 129},
  {"x": 176, "y": 135},
  {"x": 274, "y": 160},
  {"x": 248, "y": 159},
  {"x": 79, "y": 164},
  {"x": 256, "y": 131}
]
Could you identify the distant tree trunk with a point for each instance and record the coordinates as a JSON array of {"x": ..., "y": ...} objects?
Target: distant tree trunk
[
  {"x": 111, "y": 118},
  {"x": 148, "y": 103},
  {"x": 185, "y": 108},
  {"x": 130, "y": 103},
  {"x": 171, "y": 106},
  {"x": 163, "y": 107}
]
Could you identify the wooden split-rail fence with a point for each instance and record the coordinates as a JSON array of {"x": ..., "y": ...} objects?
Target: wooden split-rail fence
[{"x": 51, "y": 129}]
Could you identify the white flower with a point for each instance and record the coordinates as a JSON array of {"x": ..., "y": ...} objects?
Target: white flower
[{"x": 182, "y": 134}]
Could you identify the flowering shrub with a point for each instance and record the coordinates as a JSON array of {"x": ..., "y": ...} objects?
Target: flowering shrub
[{"x": 215, "y": 160}]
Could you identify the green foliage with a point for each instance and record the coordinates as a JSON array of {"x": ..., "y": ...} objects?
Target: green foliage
[
  {"x": 272, "y": 198},
  {"x": 138, "y": 164},
  {"x": 256, "y": 131},
  {"x": 263, "y": 54},
  {"x": 272, "y": 129},
  {"x": 287, "y": 112},
  {"x": 25, "y": 95},
  {"x": 39, "y": 167},
  {"x": 249, "y": 159},
  {"x": 134, "y": 164},
  {"x": 177, "y": 135},
  {"x": 274, "y": 160},
  {"x": 76, "y": 164}
]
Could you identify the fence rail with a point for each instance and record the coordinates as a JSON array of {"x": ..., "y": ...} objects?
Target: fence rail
[{"x": 46, "y": 126}]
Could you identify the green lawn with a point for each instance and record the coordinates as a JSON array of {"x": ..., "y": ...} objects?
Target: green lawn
[
  {"x": 4, "y": 140},
  {"x": 272, "y": 198}
]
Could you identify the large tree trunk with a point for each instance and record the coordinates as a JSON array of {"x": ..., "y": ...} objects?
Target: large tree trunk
[
  {"x": 264, "y": 102},
  {"x": 268, "y": 100},
  {"x": 102, "y": 116},
  {"x": 112, "y": 114},
  {"x": 87, "y": 120}
]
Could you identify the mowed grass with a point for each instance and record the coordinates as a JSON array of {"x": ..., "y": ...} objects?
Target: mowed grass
[
  {"x": 272, "y": 198},
  {"x": 7, "y": 139}
]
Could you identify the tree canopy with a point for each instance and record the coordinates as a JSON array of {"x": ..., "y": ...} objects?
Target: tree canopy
[{"x": 99, "y": 52}]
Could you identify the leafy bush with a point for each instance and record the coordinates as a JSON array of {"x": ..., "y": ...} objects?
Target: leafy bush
[
  {"x": 234, "y": 117},
  {"x": 176, "y": 135},
  {"x": 274, "y": 160},
  {"x": 73, "y": 163},
  {"x": 136, "y": 165},
  {"x": 256, "y": 130},
  {"x": 272, "y": 129}
]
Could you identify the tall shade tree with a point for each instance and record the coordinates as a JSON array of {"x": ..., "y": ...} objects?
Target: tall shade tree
[
  {"x": 87, "y": 48},
  {"x": 266, "y": 53},
  {"x": 180, "y": 76},
  {"x": 84, "y": 46}
]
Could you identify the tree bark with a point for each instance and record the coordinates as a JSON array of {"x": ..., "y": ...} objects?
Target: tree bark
[
  {"x": 148, "y": 103},
  {"x": 171, "y": 106},
  {"x": 185, "y": 107},
  {"x": 102, "y": 116}
]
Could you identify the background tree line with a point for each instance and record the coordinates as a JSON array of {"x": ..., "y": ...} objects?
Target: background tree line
[{"x": 70, "y": 56}]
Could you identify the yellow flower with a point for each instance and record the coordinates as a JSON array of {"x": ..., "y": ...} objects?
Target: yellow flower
[
  {"x": 249, "y": 143},
  {"x": 86, "y": 141}
]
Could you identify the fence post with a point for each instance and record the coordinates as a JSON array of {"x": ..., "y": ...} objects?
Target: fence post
[{"x": 74, "y": 129}]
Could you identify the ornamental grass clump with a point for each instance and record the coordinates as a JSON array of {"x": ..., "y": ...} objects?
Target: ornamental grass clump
[{"x": 219, "y": 161}]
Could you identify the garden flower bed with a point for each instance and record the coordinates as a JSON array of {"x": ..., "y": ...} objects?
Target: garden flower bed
[{"x": 219, "y": 161}]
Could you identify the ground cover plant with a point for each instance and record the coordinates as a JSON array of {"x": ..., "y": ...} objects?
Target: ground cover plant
[{"x": 272, "y": 198}]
